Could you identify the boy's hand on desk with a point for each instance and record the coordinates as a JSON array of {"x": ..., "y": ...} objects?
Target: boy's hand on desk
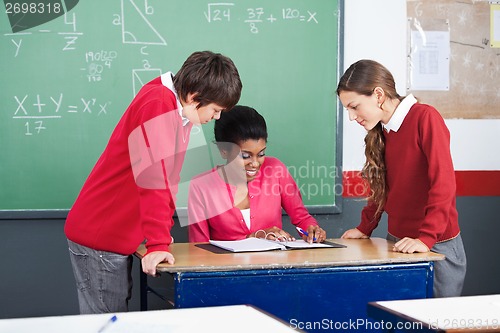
[
  {"x": 410, "y": 245},
  {"x": 151, "y": 260}
]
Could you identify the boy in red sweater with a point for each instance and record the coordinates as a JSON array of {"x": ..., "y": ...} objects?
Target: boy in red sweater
[
  {"x": 129, "y": 196},
  {"x": 409, "y": 169}
]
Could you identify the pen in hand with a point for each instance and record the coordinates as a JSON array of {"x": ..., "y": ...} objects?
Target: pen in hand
[
  {"x": 303, "y": 232},
  {"x": 106, "y": 325}
]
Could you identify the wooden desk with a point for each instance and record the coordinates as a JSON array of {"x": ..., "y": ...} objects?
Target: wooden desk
[
  {"x": 302, "y": 287},
  {"x": 453, "y": 314},
  {"x": 226, "y": 319}
]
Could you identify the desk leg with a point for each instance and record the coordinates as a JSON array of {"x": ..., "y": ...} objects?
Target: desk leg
[{"x": 143, "y": 281}]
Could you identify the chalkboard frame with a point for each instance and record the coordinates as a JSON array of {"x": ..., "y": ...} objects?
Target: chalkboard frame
[{"x": 314, "y": 209}]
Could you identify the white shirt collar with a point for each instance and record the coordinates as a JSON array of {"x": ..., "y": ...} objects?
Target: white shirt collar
[
  {"x": 400, "y": 113},
  {"x": 166, "y": 80}
]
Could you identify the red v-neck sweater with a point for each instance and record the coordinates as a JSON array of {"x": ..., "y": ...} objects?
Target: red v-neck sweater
[
  {"x": 420, "y": 180},
  {"x": 114, "y": 212}
]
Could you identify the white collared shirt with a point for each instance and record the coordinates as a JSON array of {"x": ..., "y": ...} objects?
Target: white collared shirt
[
  {"x": 399, "y": 114},
  {"x": 166, "y": 80},
  {"x": 246, "y": 216}
]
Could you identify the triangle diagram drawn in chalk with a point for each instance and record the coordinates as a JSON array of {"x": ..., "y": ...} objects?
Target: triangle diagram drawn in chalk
[{"x": 136, "y": 28}]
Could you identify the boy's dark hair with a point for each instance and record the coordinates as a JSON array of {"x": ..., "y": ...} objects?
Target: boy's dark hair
[
  {"x": 212, "y": 77},
  {"x": 239, "y": 124}
]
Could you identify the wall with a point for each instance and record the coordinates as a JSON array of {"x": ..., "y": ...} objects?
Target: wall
[
  {"x": 385, "y": 43},
  {"x": 36, "y": 275},
  {"x": 472, "y": 140}
]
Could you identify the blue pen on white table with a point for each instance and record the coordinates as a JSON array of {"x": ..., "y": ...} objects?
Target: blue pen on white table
[
  {"x": 107, "y": 324},
  {"x": 303, "y": 232}
]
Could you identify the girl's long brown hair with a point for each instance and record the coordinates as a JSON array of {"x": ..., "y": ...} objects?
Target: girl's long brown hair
[{"x": 363, "y": 77}]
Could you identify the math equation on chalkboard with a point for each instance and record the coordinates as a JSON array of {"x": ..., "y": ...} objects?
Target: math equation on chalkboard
[
  {"x": 257, "y": 16},
  {"x": 99, "y": 57}
]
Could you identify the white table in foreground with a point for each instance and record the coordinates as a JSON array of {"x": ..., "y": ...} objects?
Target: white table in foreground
[
  {"x": 452, "y": 314},
  {"x": 220, "y": 319}
]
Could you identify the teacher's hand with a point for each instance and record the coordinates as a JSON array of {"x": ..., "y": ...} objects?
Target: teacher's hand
[
  {"x": 314, "y": 232},
  {"x": 273, "y": 233}
]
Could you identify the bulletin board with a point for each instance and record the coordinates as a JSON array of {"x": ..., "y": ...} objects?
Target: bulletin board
[{"x": 474, "y": 72}]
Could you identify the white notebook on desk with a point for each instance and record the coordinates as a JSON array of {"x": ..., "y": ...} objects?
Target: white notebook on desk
[{"x": 253, "y": 244}]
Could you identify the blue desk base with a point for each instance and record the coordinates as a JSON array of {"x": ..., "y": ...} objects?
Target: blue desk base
[{"x": 310, "y": 299}]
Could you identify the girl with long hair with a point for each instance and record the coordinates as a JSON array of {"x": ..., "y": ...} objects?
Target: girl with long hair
[{"x": 409, "y": 170}]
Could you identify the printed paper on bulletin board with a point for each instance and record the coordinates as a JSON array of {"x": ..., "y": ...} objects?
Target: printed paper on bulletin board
[
  {"x": 474, "y": 65},
  {"x": 495, "y": 25}
]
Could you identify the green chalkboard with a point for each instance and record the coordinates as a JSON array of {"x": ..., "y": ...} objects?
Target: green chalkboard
[{"x": 67, "y": 82}]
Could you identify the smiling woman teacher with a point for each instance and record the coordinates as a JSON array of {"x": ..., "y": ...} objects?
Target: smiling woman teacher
[{"x": 245, "y": 197}]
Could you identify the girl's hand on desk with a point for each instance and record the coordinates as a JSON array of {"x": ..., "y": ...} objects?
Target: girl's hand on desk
[
  {"x": 410, "y": 245},
  {"x": 354, "y": 233},
  {"x": 151, "y": 260}
]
